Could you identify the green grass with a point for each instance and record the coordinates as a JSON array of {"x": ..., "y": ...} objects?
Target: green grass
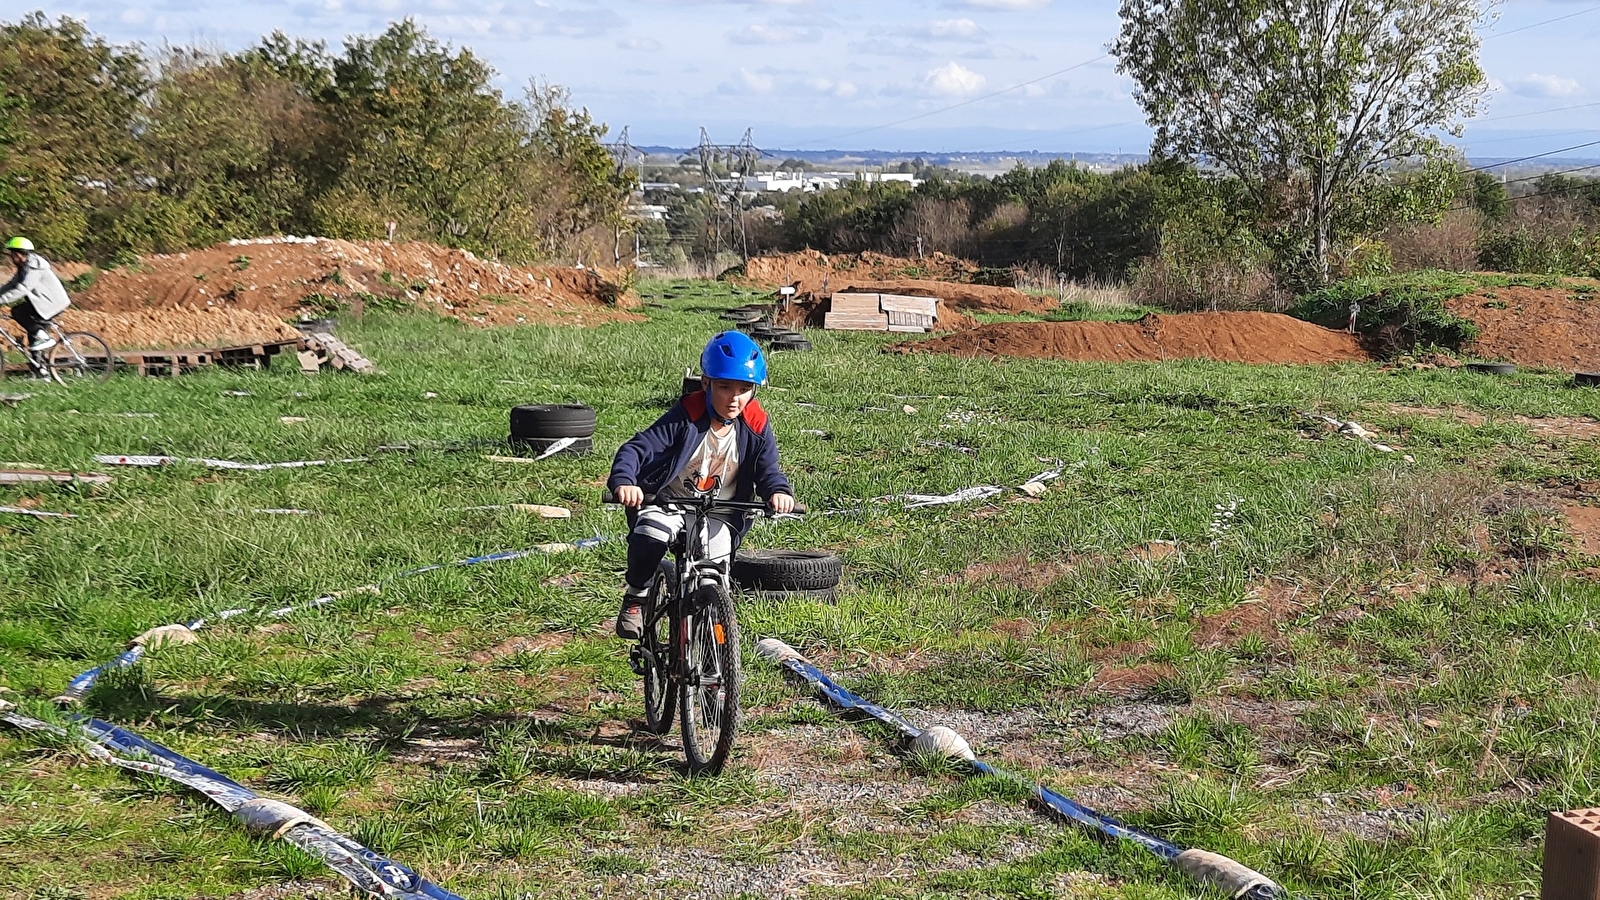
[{"x": 1335, "y": 735}]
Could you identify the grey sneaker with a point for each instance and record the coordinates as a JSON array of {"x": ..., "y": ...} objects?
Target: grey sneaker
[
  {"x": 41, "y": 341},
  {"x": 630, "y": 620}
]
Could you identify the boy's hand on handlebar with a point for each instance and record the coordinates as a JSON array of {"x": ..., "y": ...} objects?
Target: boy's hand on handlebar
[
  {"x": 781, "y": 503},
  {"x": 630, "y": 495}
]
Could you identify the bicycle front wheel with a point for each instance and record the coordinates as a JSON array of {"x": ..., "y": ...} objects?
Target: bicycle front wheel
[
  {"x": 710, "y": 691},
  {"x": 655, "y": 647},
  {"x": 81, "y": 356}
]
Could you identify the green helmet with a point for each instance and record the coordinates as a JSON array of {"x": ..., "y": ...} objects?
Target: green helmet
[{"x": 19, "y": 243}]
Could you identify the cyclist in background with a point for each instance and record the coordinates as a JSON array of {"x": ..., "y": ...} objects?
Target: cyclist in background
[
  {"x": 716, "y": 437},
  {"x": 34, "y": 293}
]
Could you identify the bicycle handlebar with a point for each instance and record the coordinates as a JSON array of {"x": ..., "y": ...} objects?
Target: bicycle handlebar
[{"x": 707, "y": 504}]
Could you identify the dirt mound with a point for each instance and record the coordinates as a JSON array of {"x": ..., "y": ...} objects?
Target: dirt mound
[
  {"x": 172, "y": 329},
  {"x": 1548, "y": 328},
  {"x": 1247, "y": 337},
  {"x": 288, "y": 276},
  {"x": 162, "y": 329},
  {"x": 811, "y": 268}
]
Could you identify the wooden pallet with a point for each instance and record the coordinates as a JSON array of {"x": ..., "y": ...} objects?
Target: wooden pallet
[{"x": 176, "y": 362}]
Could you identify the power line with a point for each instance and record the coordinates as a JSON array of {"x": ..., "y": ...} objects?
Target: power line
[
  {"x": 1511, "y": 162},
  {"x": 1538, "y": 24},
  {"x": 1537, "y": 112},
  {"x": 946, "y": 109}
]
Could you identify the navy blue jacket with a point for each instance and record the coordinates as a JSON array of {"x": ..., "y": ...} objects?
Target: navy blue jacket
[{"x": 658, "y": 452}]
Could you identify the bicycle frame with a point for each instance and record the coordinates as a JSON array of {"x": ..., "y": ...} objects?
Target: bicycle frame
[
  {"x": 692, "y": 571},
  {"x": 39, "y": 367}
]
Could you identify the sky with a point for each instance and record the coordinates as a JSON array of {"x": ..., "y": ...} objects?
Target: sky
[{"x": 860, "y": 74}]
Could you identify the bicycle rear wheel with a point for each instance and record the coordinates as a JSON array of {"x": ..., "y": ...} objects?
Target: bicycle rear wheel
[
  {"x": 710, "y": 701},
  {"x": 81, "y": 356},
  {"x": 660, "y": 690}
]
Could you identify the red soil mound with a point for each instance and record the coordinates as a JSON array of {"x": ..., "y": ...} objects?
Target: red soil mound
[
  {"x": 1247, "y": 337},
  {"x": 1549, "y": 328},
  {"x": 285, "y": 277}
]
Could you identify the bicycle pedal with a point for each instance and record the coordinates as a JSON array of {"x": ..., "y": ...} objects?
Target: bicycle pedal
[{"x": 640, "y": 660}]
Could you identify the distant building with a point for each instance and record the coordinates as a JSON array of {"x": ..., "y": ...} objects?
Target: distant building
[{"x": 783, "y": 182}]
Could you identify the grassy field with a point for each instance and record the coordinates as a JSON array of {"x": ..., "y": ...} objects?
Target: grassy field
[{"x": 1372, "y": 680}]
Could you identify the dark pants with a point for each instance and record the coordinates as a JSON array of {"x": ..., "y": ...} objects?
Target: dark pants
[{"x": 29, "y": 319}]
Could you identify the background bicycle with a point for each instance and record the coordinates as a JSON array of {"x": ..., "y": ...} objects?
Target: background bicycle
[{"x": 76, "y": 356}]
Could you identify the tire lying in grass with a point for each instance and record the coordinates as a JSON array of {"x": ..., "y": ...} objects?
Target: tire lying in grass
[
  {"x": 1586, "y": 379},
  {"x": 741, "y": 316},
  {"x": 535, "y": 428},
  {"x": 1492, "y": 368},
  {"x": 551, "y": 421},
  {"x": 788, "y": 574},
  {"x": 691, "y": 383},
  {"x": 791, "y": 343}
]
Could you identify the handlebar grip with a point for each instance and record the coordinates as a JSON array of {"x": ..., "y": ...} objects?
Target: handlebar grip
[
  {"x": 800, "y": 509},
  {"x": 608, "y": 496}
]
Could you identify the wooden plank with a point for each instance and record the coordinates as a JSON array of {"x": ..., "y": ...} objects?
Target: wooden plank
[
  {"x": 927, "y": 306},
  {"x": 907, "y": 329},
  {"x": 854, "y": 303},
  {"x": 309, "y": 362},
  {"x": 837, "y": 322},
  {"x": 29, "y": 476}
]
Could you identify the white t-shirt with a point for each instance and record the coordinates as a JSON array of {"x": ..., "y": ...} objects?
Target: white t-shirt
[{"x": 716, "y": 456}]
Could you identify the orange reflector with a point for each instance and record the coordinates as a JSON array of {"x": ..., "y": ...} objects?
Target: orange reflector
[{"x": 716, "y": 629}]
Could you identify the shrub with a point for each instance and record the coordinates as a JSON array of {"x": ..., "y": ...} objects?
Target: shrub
[
  {"x": 1408, "y": 309},
  {"x": 1546, "y": 248},
  {"x": 1192, "y": 270}
]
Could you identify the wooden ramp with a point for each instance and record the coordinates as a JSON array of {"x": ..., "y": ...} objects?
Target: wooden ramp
[{"x": 322, "y": 347}]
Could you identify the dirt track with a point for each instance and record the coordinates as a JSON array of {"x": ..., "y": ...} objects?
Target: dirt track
[{"x": 1247, "y": 337}]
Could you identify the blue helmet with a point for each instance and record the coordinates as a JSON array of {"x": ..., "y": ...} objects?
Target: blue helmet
[{"x": 733, "y": 356}]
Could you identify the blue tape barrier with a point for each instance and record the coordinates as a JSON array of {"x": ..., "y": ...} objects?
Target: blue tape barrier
[
  {"x": 370, "y": 872},
  {"x": 1233, "y": 878}
]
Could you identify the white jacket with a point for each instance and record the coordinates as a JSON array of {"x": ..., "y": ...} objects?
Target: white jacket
[{"x": 36, "y": 281}]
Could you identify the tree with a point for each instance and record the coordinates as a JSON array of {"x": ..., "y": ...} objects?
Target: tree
[
  {"x": 70, "y": 107},
  {"x": 1306, "y": 102}
]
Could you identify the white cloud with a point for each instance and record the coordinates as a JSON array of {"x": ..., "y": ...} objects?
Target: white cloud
[
  {"x": 755, "y": 82},
  {"x": 1537, "y": 85},
  {"x": 1006, "y": 5},
  {"x": 952, "y": 30},
  {"x": 767, "y": 34},
  {"x": 643, "y": 45},
  {"x": 833, "y": 88},
  {"x": 953, "y": 80}
]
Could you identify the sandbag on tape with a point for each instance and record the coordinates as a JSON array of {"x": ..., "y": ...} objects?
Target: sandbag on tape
[
  {"x": 1233, "y": 878},
  {"x": 271, "y": 818}
]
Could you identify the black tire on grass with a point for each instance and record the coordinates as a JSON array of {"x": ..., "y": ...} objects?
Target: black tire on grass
[
  {"x": 551, "y": 421},
  {"x": 787, "y": 571},
  {"x": 791, "y": 343}
]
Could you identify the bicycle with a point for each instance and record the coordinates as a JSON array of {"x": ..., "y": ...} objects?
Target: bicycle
[
  {"x": 77, "y": 355},
  {"x": 688, "y": 654}
]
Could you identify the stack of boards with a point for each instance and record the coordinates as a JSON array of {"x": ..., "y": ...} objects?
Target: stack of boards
[{"x": 881, "y": 312}]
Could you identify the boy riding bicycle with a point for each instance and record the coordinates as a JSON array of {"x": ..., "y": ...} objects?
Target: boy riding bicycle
[
  {"x": 717, "y": 438},
  {"x": 34, "y": 293}
]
